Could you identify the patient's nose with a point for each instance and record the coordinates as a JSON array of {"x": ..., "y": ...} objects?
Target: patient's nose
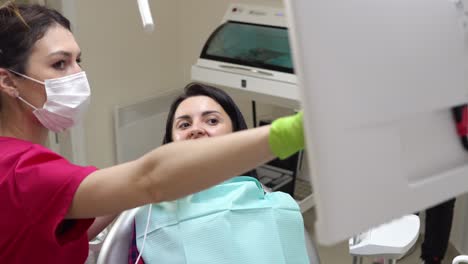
[{"x": 197, "y": 133}]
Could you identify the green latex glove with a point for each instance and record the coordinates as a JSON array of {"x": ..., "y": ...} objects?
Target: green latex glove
[{"x": 286, "y": 135}]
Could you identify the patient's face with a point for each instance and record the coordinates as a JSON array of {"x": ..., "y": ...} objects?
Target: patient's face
[{"x": 198, "y": 117}]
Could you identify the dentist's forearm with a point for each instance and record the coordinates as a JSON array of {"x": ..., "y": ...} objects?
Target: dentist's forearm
[
  {"x": 182, "y": 168},
  {"x": 178, "y": 169},
  {"x": 170, "y": 172}
]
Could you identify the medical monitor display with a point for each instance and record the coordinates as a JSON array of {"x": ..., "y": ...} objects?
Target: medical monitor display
[
  {"x": 379, "y": 80},
  {"x": 248, "y": 44}
]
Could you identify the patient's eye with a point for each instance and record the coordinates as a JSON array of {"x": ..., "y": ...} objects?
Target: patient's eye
[
  {"x": 183, "y": 125},
  {"x": 213, "y": 121}
]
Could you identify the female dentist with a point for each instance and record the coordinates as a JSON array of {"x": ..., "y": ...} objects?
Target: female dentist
[{"x": 48, "y": 203}]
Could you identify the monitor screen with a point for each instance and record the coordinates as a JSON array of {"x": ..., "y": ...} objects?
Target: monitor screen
[
  {"x": 249, "y": 44},
  {"x": 379, "y": 80}
]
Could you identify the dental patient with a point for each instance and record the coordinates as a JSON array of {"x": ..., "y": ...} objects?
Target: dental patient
[{"x": 233, "y": 222}]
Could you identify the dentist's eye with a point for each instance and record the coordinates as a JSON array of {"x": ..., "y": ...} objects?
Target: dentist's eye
[{"x": 60, "y": 65}]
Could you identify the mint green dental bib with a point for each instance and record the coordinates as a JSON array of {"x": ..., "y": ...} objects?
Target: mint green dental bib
[{"x": 232, "y": 223}]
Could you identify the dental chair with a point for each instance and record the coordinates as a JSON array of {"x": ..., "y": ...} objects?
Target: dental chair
[
  {"x": 115, "y": 247},
  {"x": 390, "y": 241},
  {"x": 117, "y": 243},
  {"x": 460, "y": 259}
]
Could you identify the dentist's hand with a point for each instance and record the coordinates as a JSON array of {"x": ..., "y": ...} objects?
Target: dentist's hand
[{"x": 287, "y": 135}]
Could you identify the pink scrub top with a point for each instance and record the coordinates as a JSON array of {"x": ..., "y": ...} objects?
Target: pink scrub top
[{"x": 36, "y": 189}]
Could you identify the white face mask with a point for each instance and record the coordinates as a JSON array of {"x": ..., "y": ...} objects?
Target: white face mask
[{"x": 67, "y": 100}]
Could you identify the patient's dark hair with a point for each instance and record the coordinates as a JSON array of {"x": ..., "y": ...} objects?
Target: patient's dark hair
[{"x": 219, "y": 96}]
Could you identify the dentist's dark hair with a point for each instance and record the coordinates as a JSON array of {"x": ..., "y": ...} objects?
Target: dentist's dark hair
[
  {"x": 21, "y": 26},
  {"x": 219, "y": 96}
]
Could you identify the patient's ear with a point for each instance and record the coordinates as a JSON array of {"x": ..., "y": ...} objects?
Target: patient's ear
[{"x": 7, "y": 85}]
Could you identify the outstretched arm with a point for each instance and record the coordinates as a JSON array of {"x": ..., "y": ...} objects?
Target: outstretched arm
[
  {"x": 181, "y": 168},
  {"x": 170, "y": 172}
]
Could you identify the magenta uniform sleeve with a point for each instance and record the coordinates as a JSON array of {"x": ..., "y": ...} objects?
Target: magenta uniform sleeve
[{"x": 46, "y": 184}]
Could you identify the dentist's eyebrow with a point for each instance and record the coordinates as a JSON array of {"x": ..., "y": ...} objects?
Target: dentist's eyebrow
[{"x": 63, "y": 53}]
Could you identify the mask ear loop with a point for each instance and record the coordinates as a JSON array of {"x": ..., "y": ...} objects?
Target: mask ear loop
[
  {"x": 26, "y": 102},
  {"x": 146, "y": 232},
  {"x": 27, "y": 77},
  {"x": 42, "y": 118}
]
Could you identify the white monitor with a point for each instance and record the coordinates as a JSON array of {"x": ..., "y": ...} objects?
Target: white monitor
[{"x": 378, "y": 79}]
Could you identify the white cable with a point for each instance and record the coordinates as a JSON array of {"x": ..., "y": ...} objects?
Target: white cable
[
  {"x": 146, "y": 232},
  {"x": 146, "y": 16}
]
